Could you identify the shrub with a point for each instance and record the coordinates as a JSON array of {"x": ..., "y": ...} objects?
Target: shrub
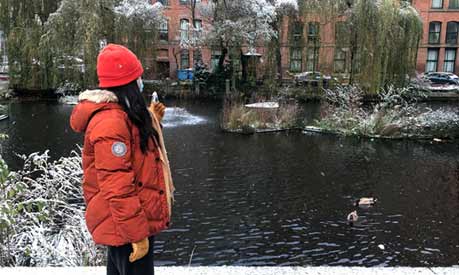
[{"x": 42, "y": 214}]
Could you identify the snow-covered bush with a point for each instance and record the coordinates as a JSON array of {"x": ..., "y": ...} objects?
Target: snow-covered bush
[
  {"x": 42, "y": 214},
  {"x": 397, "y": 114}
]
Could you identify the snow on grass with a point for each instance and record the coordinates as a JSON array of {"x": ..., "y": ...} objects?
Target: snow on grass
[{"x": 242, "y": 271}]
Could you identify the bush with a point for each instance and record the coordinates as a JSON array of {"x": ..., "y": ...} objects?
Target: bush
[
  {"x": 397, "y": 114},
  {"x": 42, "y": 214},
  {"x": 237, "y": 117}
]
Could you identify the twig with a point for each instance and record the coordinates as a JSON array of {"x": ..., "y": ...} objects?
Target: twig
[{"x": 191, "y": 256}]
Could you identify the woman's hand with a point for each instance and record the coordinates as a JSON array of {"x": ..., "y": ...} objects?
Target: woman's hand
[
  {"x": 158, "y": 109},
  {"x": 139, "y": 250}
]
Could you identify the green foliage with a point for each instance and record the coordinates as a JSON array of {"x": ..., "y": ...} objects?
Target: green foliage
[
  {"x": 382, "y": 38},
  {"x": 50, "y": 42}
]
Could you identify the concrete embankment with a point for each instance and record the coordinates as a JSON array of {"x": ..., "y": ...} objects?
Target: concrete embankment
[{"x": 244, "y": 271}]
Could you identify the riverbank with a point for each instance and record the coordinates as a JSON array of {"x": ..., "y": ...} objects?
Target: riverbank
[{"x": 242, "y": 271}]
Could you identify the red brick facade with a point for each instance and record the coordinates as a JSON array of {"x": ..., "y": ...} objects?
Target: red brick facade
[
  {"x": 298, "y": 55},
  {"x": 447, "y": 13}
]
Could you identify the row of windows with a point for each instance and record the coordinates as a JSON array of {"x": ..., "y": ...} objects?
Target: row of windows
[
  {"x": 452, "y": 29},
  {"x": 448, "y": 63},
  {"x": 297, "y": 31},
  {"x": 184, "y": 30},
  {"x": 438, "y": 4}
]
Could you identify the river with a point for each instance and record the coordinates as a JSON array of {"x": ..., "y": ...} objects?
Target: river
[{"x": 283, "y": 198}]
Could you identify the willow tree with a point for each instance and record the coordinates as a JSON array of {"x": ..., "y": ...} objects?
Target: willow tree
[
  {"x": 382, "y": 37},
  {"x": 385, "y": 39},
  {"x": 22, "y": 23},
  {"x": 53, "y": 42}
]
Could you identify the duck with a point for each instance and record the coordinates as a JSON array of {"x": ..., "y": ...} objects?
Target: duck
[
  {"x": 365, "y": 202},
  {"x": 352, "y": 217}
]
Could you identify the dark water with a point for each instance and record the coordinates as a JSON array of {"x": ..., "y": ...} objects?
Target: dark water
[{"x": 282, "y": 199}]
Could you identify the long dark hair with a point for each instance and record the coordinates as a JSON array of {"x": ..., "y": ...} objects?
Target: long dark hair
[{"x": 132, "y": 102}]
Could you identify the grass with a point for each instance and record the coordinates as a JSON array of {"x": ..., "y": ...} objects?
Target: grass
[{"x": 237, "y": 117}]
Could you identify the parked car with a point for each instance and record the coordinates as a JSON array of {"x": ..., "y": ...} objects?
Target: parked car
[
  {"x": 442, "y": 78},
  {"x": 313, "y": 78}
]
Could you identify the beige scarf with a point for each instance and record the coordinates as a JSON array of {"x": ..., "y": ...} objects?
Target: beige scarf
[{"x": 164, "y": 162}]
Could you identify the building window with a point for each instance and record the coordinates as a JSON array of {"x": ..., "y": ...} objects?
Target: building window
[
  {"x": 197, "y": 29},
  {"x": 215, "y": 57},
  {"x": 313, "y": 59},
  {"x": 197, "y": 55},
  {"x": 434, "y": 32},
  {"x": 432, "y": 60},
  {"x": 184, "y": 2},
  {"x": 184, "y": 59},
  {"x": 450, "y": 60},
  {"x": 454, "y": 4},
  {"x": 164, "y": 31},
  {"x": 437, "y": 4},
  {"x": 451, "y": 33},
  {"x": 313, "y": 30},
  {"x": 341, "y": 33},
  {"x": 295, "y": 59},
  {"x": 297, "y": 32},
  {"x": 340, "y": 60},
  {"x": 164, "y": 2},
  {"x": 184, "y": 29}
]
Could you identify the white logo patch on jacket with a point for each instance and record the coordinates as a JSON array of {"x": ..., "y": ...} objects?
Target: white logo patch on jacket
[{"x": 119, "y": 149}]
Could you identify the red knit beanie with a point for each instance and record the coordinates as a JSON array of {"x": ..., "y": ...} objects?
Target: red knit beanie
[{"x": 117, "y": 66}]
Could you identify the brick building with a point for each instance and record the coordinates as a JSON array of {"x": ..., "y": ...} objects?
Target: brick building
[
  {"x": 306, "y": 43},
  {"x": 176, "y": 28},
  {"x": 438, "y": 48}
]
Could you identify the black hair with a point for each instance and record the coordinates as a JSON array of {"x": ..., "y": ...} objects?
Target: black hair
[{"x": 133, "y": 103}]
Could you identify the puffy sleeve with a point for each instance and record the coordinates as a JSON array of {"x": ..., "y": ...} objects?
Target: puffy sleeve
[{"x": 115, "y": 176}]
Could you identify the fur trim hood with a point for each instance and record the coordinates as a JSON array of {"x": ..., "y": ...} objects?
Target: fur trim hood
[
  {"x": 98, "y": 96},
  {"x": 90, "y": 103}
]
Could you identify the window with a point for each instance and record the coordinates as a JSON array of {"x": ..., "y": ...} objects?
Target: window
[
  {"x": 184, "y": 29},
  {"x": 297, "y": 32},
  {"x": 434, "y": 32},
  {"x": 197, "y": 55},
  {"x": 215, "y": 58},
  {"x": 164, "y": 31},
  {"x": 197, "y": 29},
  {"x": 432, "y": 60},
  {"x": 437, "y": 4},
  {"x": 164, "y": 2},
  {"x": 295, "y": 59},
  {"x": 184, "y": 59},
  {"x": 313, "y": 30},
  {"x": 450, "y": 60},
  {"x": 313, "y": 59},
  {"x": 340, "y": 60},
  {"x": 451, "y": 33},
  {"x": 454, "y": 4},
  {"x": 184, "y": 2},
  {"x": 341, "y": 33}
]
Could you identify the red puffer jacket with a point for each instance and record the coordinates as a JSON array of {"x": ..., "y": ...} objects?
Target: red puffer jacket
[{"x": 124, "y": 189}]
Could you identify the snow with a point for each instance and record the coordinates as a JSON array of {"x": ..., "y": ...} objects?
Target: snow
[
  {"x": 287, "y": 3},
  {"x": 263, "y": 105},
  {"x": 243, "y": 271},
  {"x": 143, "y": 9}
]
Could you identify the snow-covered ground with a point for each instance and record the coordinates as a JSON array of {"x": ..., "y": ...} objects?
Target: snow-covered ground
[{"x": 242, "y": 271}]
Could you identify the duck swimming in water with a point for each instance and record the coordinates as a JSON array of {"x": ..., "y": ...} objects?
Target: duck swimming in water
[
  {"x": 352, "y": 218},
  {"x": 365, "y": 202}
]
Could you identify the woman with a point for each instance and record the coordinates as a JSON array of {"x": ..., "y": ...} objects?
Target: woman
[{"x": 127, "y": 184}]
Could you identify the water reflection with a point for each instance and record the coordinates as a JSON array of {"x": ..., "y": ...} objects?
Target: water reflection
[{"x": 282, "y": 199}]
